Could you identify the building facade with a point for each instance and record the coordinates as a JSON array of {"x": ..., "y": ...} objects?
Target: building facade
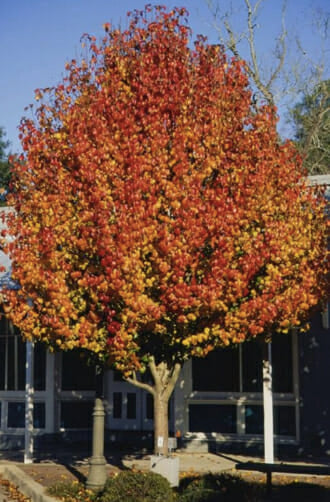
[{"x": 217, "y": 401}]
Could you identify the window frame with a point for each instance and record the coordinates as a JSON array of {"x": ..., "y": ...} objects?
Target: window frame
[
  {"x": 17, "y": 395},
  {"x": 242, "y": 400}
]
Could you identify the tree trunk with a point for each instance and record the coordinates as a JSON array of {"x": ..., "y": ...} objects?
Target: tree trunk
[
  {"x": 165, "y": 378},
  {"x": 160, "y": 424}
]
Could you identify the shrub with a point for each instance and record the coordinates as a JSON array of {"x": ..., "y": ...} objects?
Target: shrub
[
  {"x": 214, "y": 488},
  {"x": 131, "y": 486},
  {"x": 71, "y": 492}
]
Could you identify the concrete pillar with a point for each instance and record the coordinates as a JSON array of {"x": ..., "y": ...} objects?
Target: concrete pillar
[
  {"x": 268, "y": 403},
  {"x": 29, "y": 391}
]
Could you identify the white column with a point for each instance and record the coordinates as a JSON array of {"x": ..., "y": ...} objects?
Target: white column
[
  {"x": 268, "y": 404},
  {"x": 29, "y": 390}
]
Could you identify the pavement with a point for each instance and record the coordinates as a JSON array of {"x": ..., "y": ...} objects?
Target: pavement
[{"x": 75, "y": 461}]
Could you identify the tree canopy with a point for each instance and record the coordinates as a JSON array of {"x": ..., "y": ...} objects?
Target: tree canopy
[
  {"x": 311, "y": 118},
  {"x": 157, "y": 215}
]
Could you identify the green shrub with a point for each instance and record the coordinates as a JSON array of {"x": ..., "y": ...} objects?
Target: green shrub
[
  {"x": 71, "y": 492},
  {"x": 130, "y": 486},
  {"x": 214, "y": 488}
]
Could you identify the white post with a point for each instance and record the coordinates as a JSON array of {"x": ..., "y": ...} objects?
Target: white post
[
  {"x": 268, "y": 404},
  {"x": 29, "y": 391}
]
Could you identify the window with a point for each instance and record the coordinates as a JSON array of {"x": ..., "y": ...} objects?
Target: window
[
  {"x": 39, "y": 369},
  {"x": 12, "y": 360},
  {"x": 76, "y": 414},
  {"x": 220, "y": 418},
  {"x": 282, "y": 364},
  {"x": 239, "y": 369},
  {"x": 254, "y": 419},
  {"x": 77, "y": 374},
  {"x": 16, "y": 415},
  {"x": 227, "y": 390},
  {"x": 251, "y": 366},
  {"x": 218, "y": 372},
  {"x": 131, "y": 405},
  {"x": 149, "y": 406},
  {"x": 117, "y": 404},
  {"x": 284, "y": 420}
]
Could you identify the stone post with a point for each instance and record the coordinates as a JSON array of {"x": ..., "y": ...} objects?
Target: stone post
[{"x": 97, "y": 474}]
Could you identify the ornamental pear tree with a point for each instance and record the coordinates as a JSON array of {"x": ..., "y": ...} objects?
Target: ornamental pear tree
[{"x": 157, "y": 215}]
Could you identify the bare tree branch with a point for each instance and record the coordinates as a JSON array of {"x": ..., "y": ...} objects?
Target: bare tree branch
[
  {"x": 231, "y": 41},
  {"x": 142, "y": 385},
  {"x": 282, "y": 49}
]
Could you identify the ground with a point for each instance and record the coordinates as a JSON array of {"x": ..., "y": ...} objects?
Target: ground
[{"x": 286, "y": 488}]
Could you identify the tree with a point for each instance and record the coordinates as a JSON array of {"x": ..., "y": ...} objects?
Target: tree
[
  {"x": 312, "y": 128},
  {"x": 282, "y": 75},
  {"x": 4, "y": 163},
  {"x": 263, "y": 81},
  {"x": 157, "y": 216}
]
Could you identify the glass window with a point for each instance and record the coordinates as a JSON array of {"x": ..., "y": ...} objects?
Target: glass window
[
  {"x": 39, "y": 367},
  {"x": 282, "y": 363},
  {"x": 76, "y": 373},
  {"x": 149, "y": 406},
  {"x": 254, "y": 419},
  {"x": 252, "y": 366},
  {"x": 117, "y": 404},
  {"x": 76, "y": 414},
  {"x": 284, "y": 420},
  {"x": 218, "y": 372},
  {"x": 16, "y": 415},
  {"x": 212, "y": 418},
  {"x": 131, "y": 405},
  {"x": 13, "y": 358},
  {"x": 39, "y": 415}
]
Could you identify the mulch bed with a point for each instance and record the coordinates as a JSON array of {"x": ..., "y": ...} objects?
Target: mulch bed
[
  {"x": 50, "y": 473},
  {"x": 286, "y": 488}
]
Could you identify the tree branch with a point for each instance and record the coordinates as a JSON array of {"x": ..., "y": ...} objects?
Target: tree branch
[
  {"x": 173, "y": 379},
  {"x": 282, "y": 50},
  {"x": 142, "y": 385}
]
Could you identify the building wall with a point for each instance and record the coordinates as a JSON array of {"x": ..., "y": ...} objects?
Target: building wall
[
  {"x": 217, "y": 401},
  {"x": 314, "y": 376}
]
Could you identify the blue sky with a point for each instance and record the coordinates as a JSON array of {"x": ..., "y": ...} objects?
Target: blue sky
[{"x": 37, "y": 37}]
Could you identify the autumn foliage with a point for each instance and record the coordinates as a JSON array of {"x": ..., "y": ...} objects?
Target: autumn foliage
[{"x": 157, "y": 214}]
